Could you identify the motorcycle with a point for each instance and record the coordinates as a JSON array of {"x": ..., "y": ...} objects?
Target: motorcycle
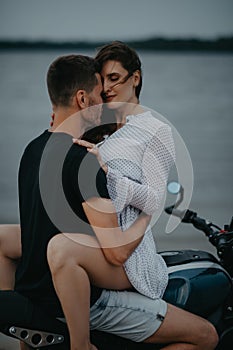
[{"x": 199, "y": 282}]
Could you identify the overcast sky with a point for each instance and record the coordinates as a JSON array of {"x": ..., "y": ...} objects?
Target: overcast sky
[{"x": 119, "y": 19}]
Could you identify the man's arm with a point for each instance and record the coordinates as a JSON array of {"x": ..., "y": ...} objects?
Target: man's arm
[{"x": 117, "y": 245}]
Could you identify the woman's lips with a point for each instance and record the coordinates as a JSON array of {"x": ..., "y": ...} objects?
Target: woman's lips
[{"x": 109, "y": 98}]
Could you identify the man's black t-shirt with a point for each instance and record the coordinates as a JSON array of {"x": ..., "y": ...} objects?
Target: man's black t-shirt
[{"x": 55, "y": 177}]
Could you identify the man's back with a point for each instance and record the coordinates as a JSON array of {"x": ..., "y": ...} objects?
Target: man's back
[{"x": 48, "y": 174}]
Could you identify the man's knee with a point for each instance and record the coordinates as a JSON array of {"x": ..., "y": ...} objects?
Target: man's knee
[
  {"x": 191, "y": 329},
  {"x": 209, "y": 337},
  {"x": 10, "y": 243},
  {"x": 206, "y": 337}
]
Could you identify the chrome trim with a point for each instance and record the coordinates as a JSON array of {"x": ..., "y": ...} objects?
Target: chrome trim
[
  {"x": 196, "y": 265},
  {"x": 36, "y": 339}
]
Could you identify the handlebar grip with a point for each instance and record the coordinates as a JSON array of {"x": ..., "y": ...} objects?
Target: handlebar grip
[
  {"x": 172, "y": 211},
  {"x": 201, "y": 224},
  {"x": 189, "y": 216},
  {"x": 169, "y": 210}
]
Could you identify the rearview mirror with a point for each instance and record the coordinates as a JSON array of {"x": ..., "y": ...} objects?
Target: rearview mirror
[{"x": 174, "y": 187}]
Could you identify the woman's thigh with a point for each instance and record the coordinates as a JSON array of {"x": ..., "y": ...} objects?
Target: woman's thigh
[{"x": 83, "y": 250}]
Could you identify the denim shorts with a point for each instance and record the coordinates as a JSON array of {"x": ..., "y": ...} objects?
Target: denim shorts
[{"x": 127, "y": 314}]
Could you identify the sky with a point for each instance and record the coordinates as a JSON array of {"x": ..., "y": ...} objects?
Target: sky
[{"x": 114, "y": 20}]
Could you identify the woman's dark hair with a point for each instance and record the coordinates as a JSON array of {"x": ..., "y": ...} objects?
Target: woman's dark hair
[
  {"x": 119, "y": 51},
  {"x": 67, "y": 75},
  {"x": 108, "y": 126}
]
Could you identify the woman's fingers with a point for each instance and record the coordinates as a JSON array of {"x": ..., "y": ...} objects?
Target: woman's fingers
[
  {"x": 84, "y": 143},
  {"x": 91, "y": 147}
]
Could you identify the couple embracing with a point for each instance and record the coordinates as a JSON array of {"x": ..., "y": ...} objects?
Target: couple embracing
[{"x": 86, "y": 195}]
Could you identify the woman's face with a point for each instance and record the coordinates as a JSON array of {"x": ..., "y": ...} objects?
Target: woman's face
[{"x": 118, "y": 84}]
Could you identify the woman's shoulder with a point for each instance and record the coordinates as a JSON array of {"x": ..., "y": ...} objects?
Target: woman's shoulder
[{"x": 147, "y": 121}]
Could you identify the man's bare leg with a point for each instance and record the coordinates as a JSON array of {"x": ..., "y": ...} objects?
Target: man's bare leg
[
  {"x": 185, "y": 331},
  {"x": 10, "y": 252},
  {"x": 24, "y": 346}
]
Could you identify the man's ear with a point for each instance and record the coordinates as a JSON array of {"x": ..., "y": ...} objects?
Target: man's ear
[
  {"x": 82, "y": 99},
  {"x": 136, "y": 78}
]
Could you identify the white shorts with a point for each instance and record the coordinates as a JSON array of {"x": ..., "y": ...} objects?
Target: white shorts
[{"x": 127, "y": 314}]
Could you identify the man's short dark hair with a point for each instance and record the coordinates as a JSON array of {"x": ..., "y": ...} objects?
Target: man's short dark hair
[{"x": 67, "y": 75}]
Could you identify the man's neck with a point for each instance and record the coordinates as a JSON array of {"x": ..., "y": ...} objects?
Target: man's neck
[{"x": 68, "y": 121}]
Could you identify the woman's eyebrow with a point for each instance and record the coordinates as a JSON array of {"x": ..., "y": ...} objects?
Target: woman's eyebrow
[
  {"x": 112, "y": 70},
  {"x": 112, "y": 73}
]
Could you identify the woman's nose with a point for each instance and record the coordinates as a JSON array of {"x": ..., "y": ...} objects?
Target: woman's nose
[{"x": 107, "y": 86}]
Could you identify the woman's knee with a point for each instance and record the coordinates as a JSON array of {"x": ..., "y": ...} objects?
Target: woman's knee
[{"x": 57, "y": 252}]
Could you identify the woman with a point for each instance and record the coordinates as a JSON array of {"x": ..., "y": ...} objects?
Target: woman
[{"x": 138, "y": 159}]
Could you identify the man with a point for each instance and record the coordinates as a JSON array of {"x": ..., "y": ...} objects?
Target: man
[
  {"x": 47, "y": 179},
  {"x": 73, "y": 86}
]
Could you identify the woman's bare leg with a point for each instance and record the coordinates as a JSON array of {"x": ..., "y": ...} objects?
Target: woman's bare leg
[
  {"x": 10, "y": 252},
  {"x": 185, "y": 331},
  {"x": 74, "y": 266}
]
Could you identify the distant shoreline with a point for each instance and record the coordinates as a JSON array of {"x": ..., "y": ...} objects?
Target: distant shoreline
[{"x": 223, "y": 44}]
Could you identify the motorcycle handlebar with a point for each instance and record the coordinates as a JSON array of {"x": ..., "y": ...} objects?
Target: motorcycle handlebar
[
  {"x": 221, "y": 239},
  {"x": 189, "y": 216},
  {"x": 221, "y": 243},
  {"x": 172, "y": 211},
  {"x": 202, "y": 225}
]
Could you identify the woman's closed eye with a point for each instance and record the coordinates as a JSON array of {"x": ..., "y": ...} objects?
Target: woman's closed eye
[{"x": 114, "y": 78}]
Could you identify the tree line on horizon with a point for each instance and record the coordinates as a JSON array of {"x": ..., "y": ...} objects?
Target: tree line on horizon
[{"x": 224, "y": 44}]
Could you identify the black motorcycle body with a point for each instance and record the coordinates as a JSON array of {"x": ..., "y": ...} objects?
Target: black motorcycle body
[{"x": 199, "y": 284}]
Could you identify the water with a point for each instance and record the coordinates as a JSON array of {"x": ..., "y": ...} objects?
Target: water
[{"x": 193, "y": 91}]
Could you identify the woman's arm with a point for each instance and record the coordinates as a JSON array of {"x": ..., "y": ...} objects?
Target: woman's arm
[
  {"x": 116, "y": 245},
  {"x": 157, "y": 160}
]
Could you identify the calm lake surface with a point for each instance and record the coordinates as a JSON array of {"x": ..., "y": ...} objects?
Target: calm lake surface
[{"x": 192, "y": 90}]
